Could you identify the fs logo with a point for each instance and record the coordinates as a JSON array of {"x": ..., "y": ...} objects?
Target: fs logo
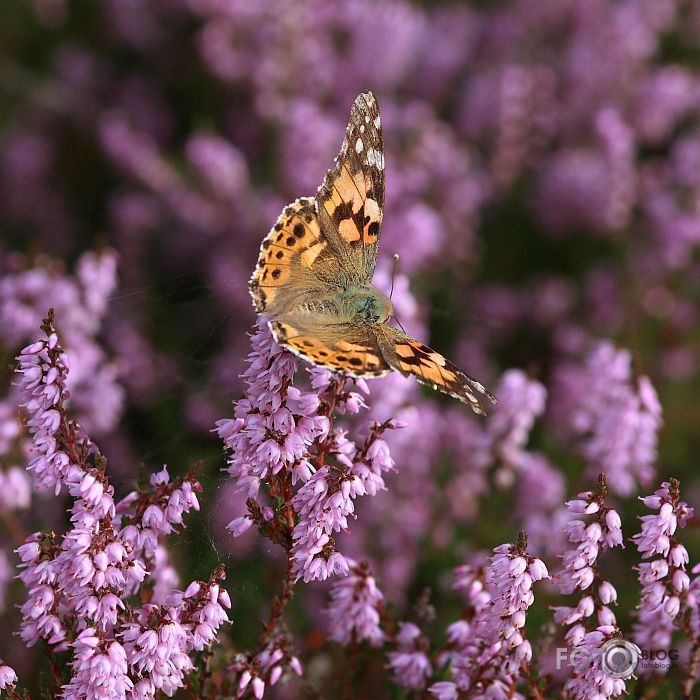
[{"x": 617, "y": 658}]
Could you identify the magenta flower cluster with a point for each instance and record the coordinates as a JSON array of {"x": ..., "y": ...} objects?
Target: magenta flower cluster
[
  {"x": 490, "y": 656},
  {"x": 355, "y": 608},
  {"x": 594, "y": 529},
  {"x": 282, "y": 438},
  {"x": 614, "y": 416},
  {"x": 667, "y": 602},
  {"x": 81, "y": 586}
]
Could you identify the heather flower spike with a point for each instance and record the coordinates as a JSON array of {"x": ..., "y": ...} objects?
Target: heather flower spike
[
  {"x": 490, "y": 656},
  {"x": 614, "y": 416},
  {"x": 8, "y": 678},
  {"x": 283, "y": 441},
  {"x": 355, "y": 607},
  {"x": 286, "y": 449},
  {"x": 668, "y": 602},
  {"x": 82, "y": 584},
  {"x": 591, "y": 621}
]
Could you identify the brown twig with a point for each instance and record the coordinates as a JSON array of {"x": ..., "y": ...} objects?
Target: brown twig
[
  {"x": 693, "y": 669},
  {"x": 55, "y": 668},
  {"x": 204, "y": 676},
  {"x": 278, "y": 605},
  {"x": 12, "y": 525},
  {"x": 12, "y": 693}
]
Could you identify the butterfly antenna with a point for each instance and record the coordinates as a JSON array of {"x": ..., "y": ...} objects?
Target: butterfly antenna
[
  {"x": 393, "y": 273},
  {"x": 391, "y": 291},
  {"x": 400, "y": 324}
]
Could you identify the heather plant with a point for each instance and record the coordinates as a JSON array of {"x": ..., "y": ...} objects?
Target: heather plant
[
  {"x": 541, "y": 191},
  {"x": 103, "y": 595}
]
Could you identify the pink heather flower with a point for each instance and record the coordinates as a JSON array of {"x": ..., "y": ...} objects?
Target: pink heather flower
[
  {"x": 471, "y": 579},
  {"x": 501, "y": 442},
  {"x": 615, "y": 416},
  {"x": 158, "y": 655},
  {"x": 591, "y": 537},
  {"x": 591, "y": 621},
  {"x": 520, "y": 402},
  {"x": 97, "y": 274},
  {"x": 240, "y": 525},
  {"x": 43, "y": 377},
  {"x": 168, "y": 503},
  {"x": 80, "y": 583},
  {"x": 8, "y": 678},
  {"x": 325, "y": 502},
  {"x": 489, "y": 654},
  {"x": 15, "y": 489},
  {"x": 9, "y": 424},
  {"x": 80, "y": 302},
  {"x": 355, "y": 606},
  {"x": 164, "y": 576},
  {"x": 589, "y": 681},
  {"x": 410, "y": 665},
  {"x": 282, "y": 433},
  {"x": 159, "y": 644},
  {"x": 264, "y": 668},
  {"x": 273, "y": 427},
  {"x": 219, "y": 164},
  {"x": 618, "y": 141},
  {"x": 444, "y": 690},
  {"x": 665, "y": 583},
  {"x": 99, "y": 669}
]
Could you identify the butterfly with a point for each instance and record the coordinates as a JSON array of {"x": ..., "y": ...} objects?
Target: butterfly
[{"x": 314, "y": 274}]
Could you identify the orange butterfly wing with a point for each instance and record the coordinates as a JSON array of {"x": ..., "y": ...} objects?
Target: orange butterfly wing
[
  {"x": 351, "y": 199},
  {"x": 340, "y": 347},
  {"x": 411, "y": 357}
]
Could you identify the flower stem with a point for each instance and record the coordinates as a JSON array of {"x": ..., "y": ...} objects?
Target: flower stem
[{"x": 278, "y": 605}]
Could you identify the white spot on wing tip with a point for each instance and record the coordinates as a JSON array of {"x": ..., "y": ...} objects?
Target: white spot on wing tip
[
  {"x": 375, "y": 158},
  {"x": 377, "y": 122},
  {"x": 359, "y": 145},
  {"x": 366, "y": 118}
]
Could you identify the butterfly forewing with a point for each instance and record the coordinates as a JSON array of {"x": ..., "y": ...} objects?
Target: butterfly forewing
[
  {"x": 295, "y": 261},
  {"x": 351, "y": 199}
]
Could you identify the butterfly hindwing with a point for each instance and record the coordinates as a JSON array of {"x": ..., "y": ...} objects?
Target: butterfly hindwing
[
  {"x": 411, "y": 357},
  {"x": 340, "y": 347},
  {"x": 351, "y": 199}
]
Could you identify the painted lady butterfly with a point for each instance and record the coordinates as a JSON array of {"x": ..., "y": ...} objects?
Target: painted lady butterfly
[{"x": 314, "y": 275}]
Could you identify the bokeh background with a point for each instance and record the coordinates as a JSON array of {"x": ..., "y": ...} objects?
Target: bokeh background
[{"x": 543, "y": 192}]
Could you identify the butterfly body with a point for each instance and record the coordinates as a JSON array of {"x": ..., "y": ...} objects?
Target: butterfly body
[
  {"x": 358, "y": 304},
  {"x": 314, "y": 274}
]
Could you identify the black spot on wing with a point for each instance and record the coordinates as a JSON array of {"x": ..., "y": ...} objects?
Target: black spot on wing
[{"x": 343, "y": 211}]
